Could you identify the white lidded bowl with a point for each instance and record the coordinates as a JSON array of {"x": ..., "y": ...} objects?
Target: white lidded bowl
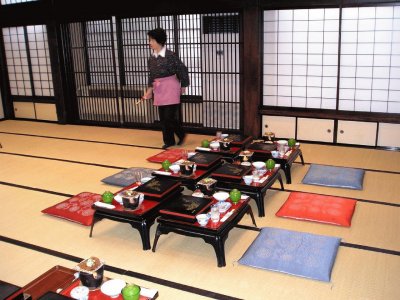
[
  {"x": 202, "y": 219},
  {"x": 113, "y": 287},
  {"x": 221, "y": 196},
  {"x": 259, "y": 164},
  {"x": 174, "y": 168},
  {"x": 214, "y": 145}
]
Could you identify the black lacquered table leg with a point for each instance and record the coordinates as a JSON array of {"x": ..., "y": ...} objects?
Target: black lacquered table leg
[
  {"x": 250, "y": 212},
  {"x": 301, "y": 157},
  {"x": 260, "y": 204},
  {"x": 218, "y": 244},
  {"x": 157, "y": 236},
  {"x": 286, "y": 169},
  {"x": 96, "y": 218},
  {"x": 145, "y": 235},
  {"x": 281, "y": 182}
]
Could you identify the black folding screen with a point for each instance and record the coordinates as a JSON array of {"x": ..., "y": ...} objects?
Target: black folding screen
[{"x": 106, "y": 68}]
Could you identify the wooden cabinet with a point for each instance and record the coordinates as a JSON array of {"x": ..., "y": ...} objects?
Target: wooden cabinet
[
  {"x": 46, "y": 111},
  {"x": 283, "y": 127},
  {"x": 389, "y": 135},
  {"x": 38, "y": 111},
  {"x": 317, "y": 130},
  {"x": 357, "y": 133},
  {"x": 24, "y": 110}
]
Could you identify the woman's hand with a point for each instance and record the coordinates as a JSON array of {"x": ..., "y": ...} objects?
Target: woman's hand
[
  {"x": 183, "y": 90},
  {"x": 147, "y": 94}
]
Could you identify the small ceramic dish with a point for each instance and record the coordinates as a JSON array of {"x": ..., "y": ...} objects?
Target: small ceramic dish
[
  {"x": 248, "y": 179},
  {"x": 202, "y": 219}
]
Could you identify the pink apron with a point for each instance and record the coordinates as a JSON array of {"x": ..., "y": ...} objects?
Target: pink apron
[{"x": 166, "y": 91}]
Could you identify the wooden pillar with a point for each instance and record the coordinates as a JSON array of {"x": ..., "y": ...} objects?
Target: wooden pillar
[{"x": 252, "y": 69}]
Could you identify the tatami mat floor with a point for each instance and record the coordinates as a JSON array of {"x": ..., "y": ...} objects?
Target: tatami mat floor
[{"x": 43, "y": 164}]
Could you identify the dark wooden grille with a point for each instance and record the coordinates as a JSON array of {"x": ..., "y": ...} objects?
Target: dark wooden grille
[{"x": 109, "y": 69}]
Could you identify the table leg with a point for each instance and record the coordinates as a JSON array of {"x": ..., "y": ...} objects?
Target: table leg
[
  {"x": 157, "y": 236},
  {"x": 286, "y": 169},
  {"x": 218, "y": 244},
  {"x": 260, "y": 204},
  {"x": 301, "y": 157},
  {"x": 144, "y": 231},
  {"x": 281, "y": 182},
  {"x": 95, "y": 220},
  {"x": 250, "y": 212}
]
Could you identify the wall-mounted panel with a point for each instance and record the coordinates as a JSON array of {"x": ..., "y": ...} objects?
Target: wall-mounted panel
[
  {"x": 318, "y": 130},
  {"x": 46, "y": 111},
  {"x": 389, "y": 135},
  {"x": 283, "y": 127},
  {"x": 25, "y": 110},
  {"x": 358, "y": 133}
]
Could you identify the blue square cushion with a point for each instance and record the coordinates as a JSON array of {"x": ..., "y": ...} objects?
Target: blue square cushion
[
  {"x": 127, "y": 176},
  {"x": 341, "y": 177},
  {"x": 297, "y": 253}
]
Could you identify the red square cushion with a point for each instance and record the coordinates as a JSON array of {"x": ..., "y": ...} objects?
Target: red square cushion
[
  {"x": 171, "y": 154},
  {"x": 76, "y": 209},
  {"x": 318, "y": 208}
]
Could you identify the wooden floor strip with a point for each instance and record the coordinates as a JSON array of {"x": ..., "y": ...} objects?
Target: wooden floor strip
[{"x": 65, "y": 160}]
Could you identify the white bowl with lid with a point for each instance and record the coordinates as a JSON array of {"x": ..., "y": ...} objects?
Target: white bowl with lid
[{"x": 113, "y": 287}]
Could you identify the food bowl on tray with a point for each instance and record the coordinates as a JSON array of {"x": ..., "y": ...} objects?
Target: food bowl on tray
[
  {"x": 113, "y": 287},
  {"x": 131, "y": 199},
  {"x": 259, "y": 165},
  {"x": 175, "y": 168},
  {"x": 214, "y": 145},
  {"x": 221, "y": 196}
]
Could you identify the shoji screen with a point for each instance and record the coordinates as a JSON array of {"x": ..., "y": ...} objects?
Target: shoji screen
[
  {"x": 370, "y": 59},
  {"x": 300, "y": 58}
]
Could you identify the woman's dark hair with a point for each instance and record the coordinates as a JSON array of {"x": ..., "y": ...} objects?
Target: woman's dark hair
[{"x": 159, "y": 35}]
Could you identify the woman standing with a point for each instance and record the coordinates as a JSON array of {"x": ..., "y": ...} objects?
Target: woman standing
[{"x": 168, "y": 79}]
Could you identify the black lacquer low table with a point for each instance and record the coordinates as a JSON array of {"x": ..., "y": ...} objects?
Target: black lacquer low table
[
  {"x": 213, "y": 233},
  {"x": 141, "y": 218},
  {"x": 286, "y": 161},
  {"x": 256, "y": 190}
]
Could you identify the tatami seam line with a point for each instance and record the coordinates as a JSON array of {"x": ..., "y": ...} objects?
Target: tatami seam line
[
  {"x": 79, "y": 140},
  {"x": 167, "y": 283},
  {"x": 64, "y": 160}
]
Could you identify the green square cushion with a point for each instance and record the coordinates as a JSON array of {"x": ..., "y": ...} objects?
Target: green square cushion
[
  {"x": 296, "y": 253},
  {"x": 76, "y": 209},
  {"x": 341, "y": 177},
  {"x": 127, "y": 176},
  {"x": 318, "y": 208}
]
